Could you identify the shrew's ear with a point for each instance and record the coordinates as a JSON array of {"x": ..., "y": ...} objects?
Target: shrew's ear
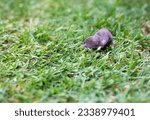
[{"x": 95, "y": 40}]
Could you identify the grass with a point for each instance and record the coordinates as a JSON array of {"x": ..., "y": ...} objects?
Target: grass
[{"x": 41, "y": 59}]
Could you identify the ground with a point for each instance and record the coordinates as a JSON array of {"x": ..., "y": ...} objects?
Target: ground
[{"x": 41, "y": 59}]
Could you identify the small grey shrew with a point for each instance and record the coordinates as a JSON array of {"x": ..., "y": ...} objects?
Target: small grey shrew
[{"x": 101, "y": 39}]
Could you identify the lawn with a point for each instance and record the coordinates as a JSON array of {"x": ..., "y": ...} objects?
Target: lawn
[{"x": 41, "y": 59}]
